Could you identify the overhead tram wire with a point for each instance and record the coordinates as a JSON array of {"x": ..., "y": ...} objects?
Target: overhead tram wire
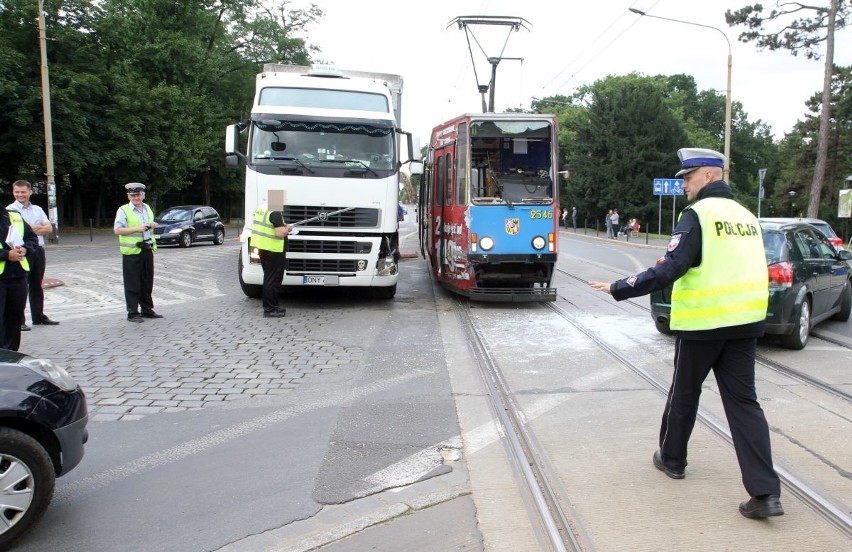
[{"x": 599, "y": 52}]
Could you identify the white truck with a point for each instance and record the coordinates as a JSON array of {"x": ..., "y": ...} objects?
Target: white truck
[{"x": 325, "y": 147}]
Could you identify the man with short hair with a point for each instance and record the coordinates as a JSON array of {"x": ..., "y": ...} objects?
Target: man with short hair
[
  {"x": 133, "y": 224},
  {"x": 35, "y": 217},
  {"x": 717, "y": 262},
  {"x": 269, "y": 235}
]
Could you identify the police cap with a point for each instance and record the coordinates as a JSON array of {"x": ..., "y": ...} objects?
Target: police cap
[
  {"x": 134, "y": 187},
  {"x": 693, "y": 158}
]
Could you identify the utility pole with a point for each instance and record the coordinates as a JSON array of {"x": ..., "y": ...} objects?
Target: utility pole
[{"x": 53, "y": 211}]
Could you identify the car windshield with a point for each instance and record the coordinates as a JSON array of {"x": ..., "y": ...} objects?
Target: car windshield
[{"x": 174, "y": 215}]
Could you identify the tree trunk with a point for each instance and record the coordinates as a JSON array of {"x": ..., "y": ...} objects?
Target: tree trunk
[{"x": 824, "y": 116}]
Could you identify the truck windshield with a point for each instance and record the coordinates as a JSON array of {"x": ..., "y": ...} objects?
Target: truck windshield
[{"x": 324, "y": 145}]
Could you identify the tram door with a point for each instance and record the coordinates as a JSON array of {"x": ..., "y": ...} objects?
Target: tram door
[{"x": 443, "y": 186}]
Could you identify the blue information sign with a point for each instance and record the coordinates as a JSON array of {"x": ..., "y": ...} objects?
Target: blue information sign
[{"x": 668, "y": 186}]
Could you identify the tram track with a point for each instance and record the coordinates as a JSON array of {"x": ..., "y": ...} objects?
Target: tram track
[
  {"x": 528, "y": 455},
  {"x": 767, "y": 362},
  {"x": 834, "y": 515}
]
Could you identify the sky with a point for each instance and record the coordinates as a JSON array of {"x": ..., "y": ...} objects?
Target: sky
[{"x": 565, "y": 45}]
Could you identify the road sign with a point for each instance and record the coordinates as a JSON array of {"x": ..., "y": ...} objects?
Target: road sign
[{"x": 668, "y": 186}]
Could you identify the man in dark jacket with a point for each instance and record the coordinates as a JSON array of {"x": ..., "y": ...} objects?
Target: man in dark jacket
[
  {"x": 716, "y": 261},
  {"x": 18, "y": 239}
]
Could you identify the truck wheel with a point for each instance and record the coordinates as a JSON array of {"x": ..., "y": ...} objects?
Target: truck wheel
[
  {"x": 384, "y": 292},
  {"x": 219, "y": 237},
  {"x": 801, "y": 330},
  {"x": 662, "y": 327},
  {"x": 27, "y": 478},
  {"x": 251, "y": 290},
  {"x": 185, "y": 239}
]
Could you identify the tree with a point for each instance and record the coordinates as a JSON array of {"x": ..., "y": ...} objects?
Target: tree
[{"x": 814, "y": 25}]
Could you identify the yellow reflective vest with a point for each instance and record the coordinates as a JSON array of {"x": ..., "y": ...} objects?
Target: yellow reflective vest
[
  {"x": 731, "y": 285},
  {"x": 16, "y": 219},
  {"x": 128, "y": 244},
  {"x": 263, "y": 233}
]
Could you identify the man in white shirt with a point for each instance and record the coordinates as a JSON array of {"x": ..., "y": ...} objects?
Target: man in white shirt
[{"x": 41, "y": 226}]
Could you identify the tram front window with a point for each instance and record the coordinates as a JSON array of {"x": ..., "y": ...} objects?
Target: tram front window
[{"x": 511, "y": 162}]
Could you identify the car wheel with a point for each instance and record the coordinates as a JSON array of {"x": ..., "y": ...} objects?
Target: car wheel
[
  {"x": 185, "y": 239},
  {"x": 663, "y": 327},
  {"x": 251, "y": 290},
  {"x": 27, "y": 480},
  {"x": 801, "y": 330},
  {"x": 219, "y": 237},
  {"x": 845, "y": 303}
]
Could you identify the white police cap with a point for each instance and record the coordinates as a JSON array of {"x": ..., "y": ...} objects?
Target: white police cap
[
  {"x": 134, "y": 187},
  {"x": 693, "y": 158}
]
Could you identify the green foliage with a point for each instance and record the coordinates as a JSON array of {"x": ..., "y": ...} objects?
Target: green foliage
[{"x": 141, "y": 90}]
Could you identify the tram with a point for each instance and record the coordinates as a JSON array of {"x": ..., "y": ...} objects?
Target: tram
[{"x": 489, "y": 206}]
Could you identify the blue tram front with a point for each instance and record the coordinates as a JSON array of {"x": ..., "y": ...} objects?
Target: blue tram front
[{"x": 489, "y": 206}]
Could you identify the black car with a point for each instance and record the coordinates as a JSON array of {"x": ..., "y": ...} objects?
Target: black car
[
  {"x": 809, "y": 281},
  {"x": 186, "y": 224},
  {"x": 43, "y": 420}
]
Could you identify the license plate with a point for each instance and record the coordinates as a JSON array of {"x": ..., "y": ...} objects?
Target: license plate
[{"x": 332, "y": 280}]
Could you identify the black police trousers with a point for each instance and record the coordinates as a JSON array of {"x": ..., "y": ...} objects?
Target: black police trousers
[
  {"x": 273, "y": 264},
  {"x": 138, "y": 272},
  {"x": 732, "y": 362}
]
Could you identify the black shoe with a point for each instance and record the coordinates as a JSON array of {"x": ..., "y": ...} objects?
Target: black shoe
[
  {"x": 658, "y": 463},
  {"x": 45, "y": 321},
  {"x": 274, "y": 314},
  {"x": 151, "y": 314},
  {"x": 25, "y": 328},
  {"x": 134, "y": 318},
  {"x": 759, "y": 508}
]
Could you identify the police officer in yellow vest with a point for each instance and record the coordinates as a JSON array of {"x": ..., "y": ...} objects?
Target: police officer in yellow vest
[
  {"x": 716, "y": 260},
  {"x": 18, "y": 238},
  {"x": 133, "y": 225},
  {"x": 269, "y": 235}
]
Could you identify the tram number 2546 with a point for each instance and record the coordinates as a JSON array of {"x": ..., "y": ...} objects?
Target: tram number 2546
[{"x": 541, "y": 214}]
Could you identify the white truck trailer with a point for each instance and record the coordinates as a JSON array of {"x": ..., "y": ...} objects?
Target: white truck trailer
[{"x": 325, "y": 146}]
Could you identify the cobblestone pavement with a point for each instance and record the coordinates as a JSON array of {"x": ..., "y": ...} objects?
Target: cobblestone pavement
[{"x": 213, "y": 344}]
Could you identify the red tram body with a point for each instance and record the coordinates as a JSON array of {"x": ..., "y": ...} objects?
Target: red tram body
[{"x": 489, "y": 206}]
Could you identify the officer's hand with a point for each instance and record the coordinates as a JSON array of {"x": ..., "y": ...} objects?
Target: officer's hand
[{"x": 601, "y": 286}]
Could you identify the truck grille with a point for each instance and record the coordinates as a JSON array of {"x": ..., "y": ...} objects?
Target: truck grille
[
  {"x": 328, "y": 247},
  {"x": 359, "y": 217},
  {"x": 319, "y": 266}
]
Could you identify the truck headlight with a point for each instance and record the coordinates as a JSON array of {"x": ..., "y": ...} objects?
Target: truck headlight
[
  {"x": 386, "y": 267},
  {"x": 254, "y": 255}
]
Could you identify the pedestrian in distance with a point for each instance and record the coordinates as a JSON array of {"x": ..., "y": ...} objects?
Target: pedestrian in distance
[
  {"x": 565, "y": 217},
  {"x": 574, "y": 216},
  {"x": 608, "y": 221},
  {"x": 134, "y": 222},
  {"x": 41, "y": 226},
  {"x": 615, "y": 227},
  {"x": 716, "y": 261},
  {"x": 18, "y": 240},
  {"x": 269, "y": 235}
]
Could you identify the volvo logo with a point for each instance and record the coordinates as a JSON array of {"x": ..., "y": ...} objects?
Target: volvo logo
[{"x": 323, "y": 216}]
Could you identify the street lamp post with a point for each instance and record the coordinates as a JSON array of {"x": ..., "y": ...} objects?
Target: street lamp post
[{"x": 727, "y": 152}]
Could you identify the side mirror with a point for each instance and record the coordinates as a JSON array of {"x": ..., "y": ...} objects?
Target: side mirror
[
  {"x": 232, "y": 160},
  {"x": 232, "y": 138},
  {"x": 845, "y": 255}
]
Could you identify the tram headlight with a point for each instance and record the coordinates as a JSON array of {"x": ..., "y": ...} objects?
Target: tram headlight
[
  {"x": 539, "y": 242},
  {"x": 486, "y": 243}
]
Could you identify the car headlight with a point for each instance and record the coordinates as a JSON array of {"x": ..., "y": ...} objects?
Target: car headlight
[
  {"x": 51, "y": 371},
  {"x": 486, "y": 243},
  {"x": 175, "y": 231},
  {"x": 539, "y": 242}
]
